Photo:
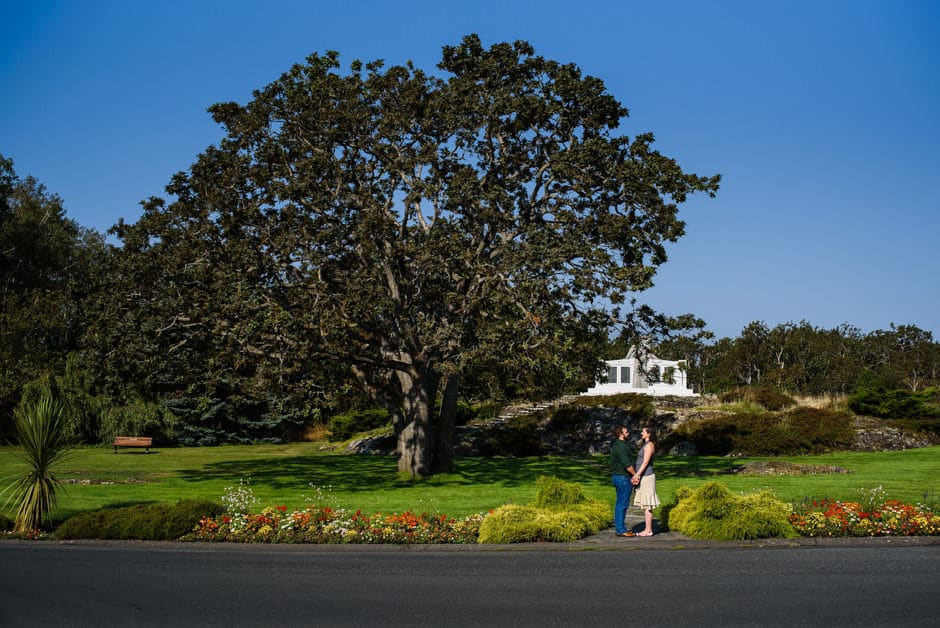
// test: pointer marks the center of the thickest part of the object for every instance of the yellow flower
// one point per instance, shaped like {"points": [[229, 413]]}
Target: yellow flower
{"points": [[815, 521]]}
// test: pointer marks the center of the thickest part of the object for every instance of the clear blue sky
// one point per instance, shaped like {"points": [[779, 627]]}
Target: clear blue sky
{"points": [[823, 118]]}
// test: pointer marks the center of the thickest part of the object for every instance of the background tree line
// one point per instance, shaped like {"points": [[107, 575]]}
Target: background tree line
{"points": [[801, 358]]}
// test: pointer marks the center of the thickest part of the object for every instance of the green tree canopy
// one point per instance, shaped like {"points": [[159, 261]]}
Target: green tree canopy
{"points": [[805, 359], [408, 226], [46, 263]]}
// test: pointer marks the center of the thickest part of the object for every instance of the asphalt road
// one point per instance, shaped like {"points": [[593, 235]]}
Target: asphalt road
{"points": [[173, 584]]}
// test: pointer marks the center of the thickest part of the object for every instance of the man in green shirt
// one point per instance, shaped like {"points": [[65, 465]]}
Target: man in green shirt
{"points": [[621, 474]]}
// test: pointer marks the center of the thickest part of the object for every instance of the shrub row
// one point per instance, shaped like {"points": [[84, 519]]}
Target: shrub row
{"points": [[896, 404], [800, 430], [148, 522]]}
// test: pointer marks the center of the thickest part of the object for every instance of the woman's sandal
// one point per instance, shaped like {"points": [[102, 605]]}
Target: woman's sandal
{"points": [[644, 534]]}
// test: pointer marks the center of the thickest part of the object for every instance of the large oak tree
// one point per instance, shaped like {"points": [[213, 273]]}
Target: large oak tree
{"points": [[409, 226]]}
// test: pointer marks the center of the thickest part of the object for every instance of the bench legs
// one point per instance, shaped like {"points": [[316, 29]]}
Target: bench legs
{"points": [[146, 450]]}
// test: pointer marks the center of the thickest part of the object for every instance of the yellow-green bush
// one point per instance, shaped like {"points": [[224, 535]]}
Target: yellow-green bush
{"points": [[561, 513], [714, 513], [553, 493]]}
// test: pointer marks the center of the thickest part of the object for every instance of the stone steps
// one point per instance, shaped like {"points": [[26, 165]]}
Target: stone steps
{"points": [[511, 412]]}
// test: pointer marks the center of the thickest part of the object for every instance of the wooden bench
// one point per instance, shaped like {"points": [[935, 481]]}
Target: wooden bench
{"points": [[132, 441]]}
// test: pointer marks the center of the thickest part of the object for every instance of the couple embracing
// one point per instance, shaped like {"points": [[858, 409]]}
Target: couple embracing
{"points": [[627, 475]]}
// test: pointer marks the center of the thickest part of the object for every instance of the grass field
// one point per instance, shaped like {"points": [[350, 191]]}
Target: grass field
{"points": [[298, 474]]}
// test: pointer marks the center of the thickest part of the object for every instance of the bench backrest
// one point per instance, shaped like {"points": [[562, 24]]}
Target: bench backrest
{"points": [[143, 441]]}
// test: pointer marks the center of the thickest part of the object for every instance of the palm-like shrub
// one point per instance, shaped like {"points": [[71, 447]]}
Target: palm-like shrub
{"points": [[42, 432]]}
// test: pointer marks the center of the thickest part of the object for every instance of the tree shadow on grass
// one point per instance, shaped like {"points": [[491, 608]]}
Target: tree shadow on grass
{"points": [[66, 513], [370, 473], [352, 473], [526, 470], [355, 473]]}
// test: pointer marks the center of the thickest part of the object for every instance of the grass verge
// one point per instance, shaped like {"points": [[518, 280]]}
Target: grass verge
{"points": [[298, 474]]}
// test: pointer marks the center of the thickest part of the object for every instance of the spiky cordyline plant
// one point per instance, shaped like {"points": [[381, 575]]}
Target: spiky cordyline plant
{"points": [[42, 434]]}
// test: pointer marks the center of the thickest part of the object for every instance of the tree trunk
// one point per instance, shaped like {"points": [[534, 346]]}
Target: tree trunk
{"points": [[415, 441], [443, 461]]}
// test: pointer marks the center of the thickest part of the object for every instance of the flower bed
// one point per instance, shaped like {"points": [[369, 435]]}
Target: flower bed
{"points": [[837, 518], [321, 524]]}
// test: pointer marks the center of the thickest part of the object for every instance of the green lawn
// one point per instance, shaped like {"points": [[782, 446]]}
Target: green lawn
{"points": [[292, 474]]}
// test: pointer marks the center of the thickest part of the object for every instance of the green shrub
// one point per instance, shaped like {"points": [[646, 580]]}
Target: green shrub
{"points": [[769, 397], [567, 418], [81, 410], [796, 431], [139, 419], [42, 433], [555, 493], [714, 513], [519, 436], [896, 403], [561, 513], [927, 426], [714, 436], [639, 407], [524, 524], [345, 426], [219, 411], [511, 523], [151, 522], [6, 524]]}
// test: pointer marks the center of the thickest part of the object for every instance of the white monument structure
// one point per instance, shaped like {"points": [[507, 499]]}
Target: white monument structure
{"points": [[658, 378]]}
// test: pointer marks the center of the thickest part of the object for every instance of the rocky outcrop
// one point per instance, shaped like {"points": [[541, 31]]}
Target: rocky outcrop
{"points": [[782, 467], [877, 435], [527, 429]]}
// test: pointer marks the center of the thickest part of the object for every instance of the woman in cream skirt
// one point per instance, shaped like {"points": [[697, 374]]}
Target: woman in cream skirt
{"points": [[645, 480]]}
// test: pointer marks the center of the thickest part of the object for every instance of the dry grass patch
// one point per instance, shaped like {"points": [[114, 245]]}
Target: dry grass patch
{"points": [[823, 402]]}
